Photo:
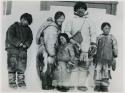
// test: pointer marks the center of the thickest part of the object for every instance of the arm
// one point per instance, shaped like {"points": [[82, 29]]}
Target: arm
{"points": [[93, 41], [89, 40], [71, 52], [39, 32], [93, 33], [42, 28], [68, 31], [12, 36], [73, 59], [115, 47], [50, 38], [29, 39]]}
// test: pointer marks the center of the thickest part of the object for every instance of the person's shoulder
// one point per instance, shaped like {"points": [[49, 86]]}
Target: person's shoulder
{"points": [[53, 24], [100, 36], [112, 36], [15, 24], [69, 45], [52, 28]]}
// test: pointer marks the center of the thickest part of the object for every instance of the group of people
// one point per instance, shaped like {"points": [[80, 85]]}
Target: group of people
{"points": [[64, 58]]}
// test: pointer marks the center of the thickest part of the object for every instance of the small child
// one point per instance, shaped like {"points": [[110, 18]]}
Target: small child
{"points": [[18, 40], [105, 58]]}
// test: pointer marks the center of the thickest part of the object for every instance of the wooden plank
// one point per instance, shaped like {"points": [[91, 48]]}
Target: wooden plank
{"points": [[7, 6], [44, 5], [114, 9], [110, 6]]}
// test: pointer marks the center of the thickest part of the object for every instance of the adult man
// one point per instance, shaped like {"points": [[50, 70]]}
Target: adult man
{"points": [[82, 33]]}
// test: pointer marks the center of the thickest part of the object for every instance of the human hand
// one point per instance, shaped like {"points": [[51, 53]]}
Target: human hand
{"points": [[50, 60], [24, 46], [21, 44], [114, 64], [92, 50], [93, 47], [84, 56]]}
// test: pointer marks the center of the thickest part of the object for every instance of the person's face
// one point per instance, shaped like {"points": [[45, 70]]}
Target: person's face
{"points": [[106, 30], [63, 40], [80, 12], [24, 22], [60, 20]]}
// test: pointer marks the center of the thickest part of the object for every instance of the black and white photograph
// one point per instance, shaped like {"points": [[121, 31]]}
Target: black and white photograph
{"points": [[62, 46]]}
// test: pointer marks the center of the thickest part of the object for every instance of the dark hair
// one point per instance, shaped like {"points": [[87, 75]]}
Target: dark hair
{"points": [[65, 36], [79, 5], [58, 15], [104, 24], [27, 17]]}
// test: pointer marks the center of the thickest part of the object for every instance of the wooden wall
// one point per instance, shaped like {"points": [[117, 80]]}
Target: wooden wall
{"points": [[110, 6]]}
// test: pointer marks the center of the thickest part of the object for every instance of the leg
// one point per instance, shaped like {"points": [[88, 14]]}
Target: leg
{"points": [[104, 88], [63, 88], [22, 63], [44, 82], [97, 85], [82, 80], [12, 61], [104, 85], [39, 64], [49, 77], [82, 77], [46, 79], [97, 77]]}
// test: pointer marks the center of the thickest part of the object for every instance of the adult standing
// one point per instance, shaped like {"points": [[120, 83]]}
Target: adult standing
{"points": [[82, 34], [47, 50]]}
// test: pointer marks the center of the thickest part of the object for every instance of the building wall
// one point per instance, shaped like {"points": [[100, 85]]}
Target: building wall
{"points": [[33, 7]]}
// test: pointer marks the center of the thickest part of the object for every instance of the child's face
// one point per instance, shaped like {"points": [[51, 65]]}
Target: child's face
{"points": [[63, 40], [24, 22], [106, 30]]}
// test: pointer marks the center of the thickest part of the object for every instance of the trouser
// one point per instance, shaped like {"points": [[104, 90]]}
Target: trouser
{"points": [[102, 74], [16, 66], [46, 77], [79, 75]]}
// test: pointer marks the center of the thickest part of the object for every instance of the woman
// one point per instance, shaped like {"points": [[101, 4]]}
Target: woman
{"points": [[47, 49], [66, 62]]}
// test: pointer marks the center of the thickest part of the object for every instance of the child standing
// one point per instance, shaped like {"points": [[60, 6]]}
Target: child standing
{"points": [[105, 58], [18, 39]]}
